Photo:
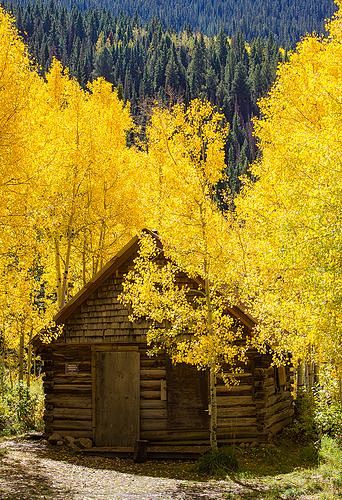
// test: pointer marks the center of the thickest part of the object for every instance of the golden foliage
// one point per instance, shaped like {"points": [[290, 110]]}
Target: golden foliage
{"points": [[290, 219], [67, 193]]}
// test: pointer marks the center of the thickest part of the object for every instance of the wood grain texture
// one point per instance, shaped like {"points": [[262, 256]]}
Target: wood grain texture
{"points": [[117, 398]]}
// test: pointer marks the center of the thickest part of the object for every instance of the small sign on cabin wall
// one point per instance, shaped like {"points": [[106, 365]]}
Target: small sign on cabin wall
{"points": [[71, 368]]}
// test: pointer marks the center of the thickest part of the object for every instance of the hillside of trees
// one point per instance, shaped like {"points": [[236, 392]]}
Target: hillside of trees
{"points": [[285, 19], [147, 62]]}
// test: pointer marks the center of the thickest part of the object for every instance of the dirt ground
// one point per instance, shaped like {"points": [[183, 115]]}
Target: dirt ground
{"points": [[34, 469]]}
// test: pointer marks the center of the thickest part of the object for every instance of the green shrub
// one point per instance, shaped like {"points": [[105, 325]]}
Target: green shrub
{"points": [[328, 415], [218, 462], [21, 408], [330, 453], [309, 454], [303, 429]]}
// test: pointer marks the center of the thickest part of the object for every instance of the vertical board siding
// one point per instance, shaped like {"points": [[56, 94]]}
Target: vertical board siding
{"points": [[117, 398]]}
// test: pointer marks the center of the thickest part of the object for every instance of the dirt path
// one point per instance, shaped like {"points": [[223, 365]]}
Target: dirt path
{"points": [[32, 470]]}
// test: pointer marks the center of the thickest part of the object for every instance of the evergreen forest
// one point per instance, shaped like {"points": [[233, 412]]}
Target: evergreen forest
{"points": [[286, 20]]}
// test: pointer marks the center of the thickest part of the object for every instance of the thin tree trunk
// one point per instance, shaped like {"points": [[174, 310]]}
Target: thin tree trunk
{"points": [[84, 263], [10, 377], [66, 269], [212, 377], [58, 272], [100, 249], [29, 361], [212, 374], [213, 409], [300, 377], [2, 373], [21, 355]]}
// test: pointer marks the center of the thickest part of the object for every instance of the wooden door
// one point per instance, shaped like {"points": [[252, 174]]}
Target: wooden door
{"points": [[117, 399]]}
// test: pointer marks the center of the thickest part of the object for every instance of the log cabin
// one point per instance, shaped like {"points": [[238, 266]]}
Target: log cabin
{"points": [[100, 383]]}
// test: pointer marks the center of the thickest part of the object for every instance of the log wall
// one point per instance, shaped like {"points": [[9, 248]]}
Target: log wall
{"points": [[68, 396], [252, 411]]}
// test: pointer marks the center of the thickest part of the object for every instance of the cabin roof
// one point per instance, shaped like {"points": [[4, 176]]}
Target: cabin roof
{"points": [[120, 258]]}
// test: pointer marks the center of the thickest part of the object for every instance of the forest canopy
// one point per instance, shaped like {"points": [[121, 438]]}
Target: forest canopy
{"points": [[252, 18]]}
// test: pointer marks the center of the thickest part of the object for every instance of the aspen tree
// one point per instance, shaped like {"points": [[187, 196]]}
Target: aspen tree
{"points": [[185, 161], [21, 120], [87, 192], [290, 219]]}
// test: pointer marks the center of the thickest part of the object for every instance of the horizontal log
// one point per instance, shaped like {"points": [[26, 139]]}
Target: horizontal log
{"points": [[269, 382], [277, 427], [152, 374], [174, 435], [285, 413], [73, 354], [279, 396], [270, 391], [150, 394], [72, 414], [234, 400], [152, 425], [152, 385], [72, 387], [62, 401], [239, 432], [236, 411], [152, 403], [153, 413], [79, 379], [72, 424], [280, 405], [147, 363], [234, 389], [236, 422]]}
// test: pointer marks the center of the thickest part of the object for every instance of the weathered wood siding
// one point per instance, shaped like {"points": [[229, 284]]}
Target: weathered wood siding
{"points": [[237, 414], [102, 318]]}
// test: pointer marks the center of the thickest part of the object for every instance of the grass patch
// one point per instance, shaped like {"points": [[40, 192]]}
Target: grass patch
{"points": [[330, 453], [218, 462], [289, 471]]}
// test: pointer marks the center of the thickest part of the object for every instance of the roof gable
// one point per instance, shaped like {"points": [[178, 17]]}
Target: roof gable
{"points": [[120, 258], [113, 265]]}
